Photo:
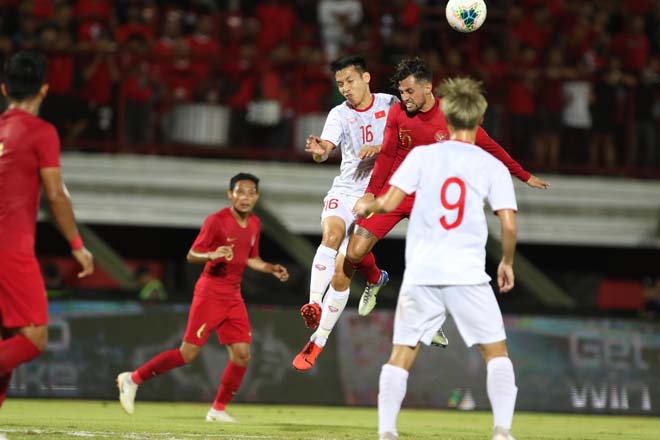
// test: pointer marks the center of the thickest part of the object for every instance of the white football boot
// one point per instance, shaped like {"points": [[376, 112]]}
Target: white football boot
{"points": [[127, 391], [500, 433], [368, 298], [219, 416]]}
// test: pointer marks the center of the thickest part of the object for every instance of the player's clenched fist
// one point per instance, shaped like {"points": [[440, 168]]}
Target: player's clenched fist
{"points": [[226, 252], [280, 272]]}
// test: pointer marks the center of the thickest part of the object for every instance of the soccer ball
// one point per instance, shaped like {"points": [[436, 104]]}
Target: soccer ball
{"points": [[465, 15]]}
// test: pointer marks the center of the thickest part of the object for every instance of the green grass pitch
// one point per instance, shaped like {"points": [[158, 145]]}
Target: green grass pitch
{"points": [[80, 419]]}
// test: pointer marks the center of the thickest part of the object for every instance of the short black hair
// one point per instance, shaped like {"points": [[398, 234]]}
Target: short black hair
{"points": [[356, 61], [416, 67], [25, 73], [243, 176]]}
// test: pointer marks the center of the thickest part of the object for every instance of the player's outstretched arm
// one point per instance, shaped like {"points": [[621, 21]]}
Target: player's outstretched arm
{"points": [[487, 143], [198, 257], [535, 182], [505, 275], [277, 270], [60, 206], [319, 148]]}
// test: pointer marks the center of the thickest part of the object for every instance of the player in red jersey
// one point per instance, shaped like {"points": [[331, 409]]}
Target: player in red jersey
{"points": [[29, 160], [227, 243], [418, 120]]}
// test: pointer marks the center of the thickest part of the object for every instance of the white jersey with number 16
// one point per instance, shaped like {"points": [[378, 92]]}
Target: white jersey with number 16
{"points": [[352, 129], [447, 232]]}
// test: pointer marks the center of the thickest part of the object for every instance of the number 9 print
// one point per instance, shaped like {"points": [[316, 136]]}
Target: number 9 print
{"points": [[459, 204]]}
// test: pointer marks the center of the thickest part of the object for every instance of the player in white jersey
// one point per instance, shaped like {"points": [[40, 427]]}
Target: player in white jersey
{"points": [[445, 255], [357, 126]]}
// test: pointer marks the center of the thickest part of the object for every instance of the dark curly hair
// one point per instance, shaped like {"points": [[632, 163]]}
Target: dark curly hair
{"points": [[416, 67]]}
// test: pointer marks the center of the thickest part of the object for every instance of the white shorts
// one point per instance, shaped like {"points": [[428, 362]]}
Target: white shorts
{"points": [[340, 205], [421, 311]]}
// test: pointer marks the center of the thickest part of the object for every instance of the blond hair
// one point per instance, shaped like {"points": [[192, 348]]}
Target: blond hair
{"points": [[463, 102]]}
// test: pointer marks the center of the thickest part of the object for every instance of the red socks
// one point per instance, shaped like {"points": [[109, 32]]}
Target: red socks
{"points": [[4, 385], [160, 364], [368, 268], [15, 351], [231, 381]]}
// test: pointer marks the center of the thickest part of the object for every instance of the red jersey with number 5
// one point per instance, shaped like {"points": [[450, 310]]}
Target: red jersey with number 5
{"points": [[27, 144], [404, 132], [446, 238], [223, 276]]}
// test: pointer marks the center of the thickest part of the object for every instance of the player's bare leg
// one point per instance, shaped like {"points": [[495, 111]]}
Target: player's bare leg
{"points": [[232, 377], [501, 386], [323, 266], [361, 243], [333, 306], [128, 382]]}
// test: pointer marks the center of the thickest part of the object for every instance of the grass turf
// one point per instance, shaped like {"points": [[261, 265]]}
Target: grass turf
{"points": [[78, 419]]}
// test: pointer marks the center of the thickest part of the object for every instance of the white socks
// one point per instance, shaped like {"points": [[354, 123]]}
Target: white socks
{"points": [[333, 305], [502, 390], [391, 391], [323, 267]]}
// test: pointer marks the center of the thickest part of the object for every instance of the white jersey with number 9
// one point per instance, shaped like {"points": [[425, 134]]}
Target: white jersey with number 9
{"points": [[447, 232]]}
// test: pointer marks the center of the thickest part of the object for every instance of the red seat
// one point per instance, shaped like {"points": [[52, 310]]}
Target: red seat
{"points": [[620, 294]]}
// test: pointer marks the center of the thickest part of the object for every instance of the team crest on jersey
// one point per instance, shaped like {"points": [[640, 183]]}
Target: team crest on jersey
{"points": [[380, 114], [405, 139], [440, 136]]}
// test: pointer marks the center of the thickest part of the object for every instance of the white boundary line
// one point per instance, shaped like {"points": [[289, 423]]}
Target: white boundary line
{"points": [[133, 435]]}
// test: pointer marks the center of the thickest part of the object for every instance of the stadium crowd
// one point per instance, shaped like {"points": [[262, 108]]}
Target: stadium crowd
{"points": [[572, 86]]}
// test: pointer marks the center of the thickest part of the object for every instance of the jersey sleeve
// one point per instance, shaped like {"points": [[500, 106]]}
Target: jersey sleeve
{"points": [[487, 143], [407, 176], [501, 194], [207, 237], [47, 145], [332, 130], [385, 158], [254, 252]]}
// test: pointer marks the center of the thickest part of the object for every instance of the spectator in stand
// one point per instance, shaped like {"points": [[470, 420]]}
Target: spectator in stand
{"points": [[63, 108], [204, 46], [100, 74], [5, 41], [550, 103], [632, 45], [577, 95], [538, 31], [647, 115], [134, 24], [27, 36], [493, 72], [137, 90], [277, 21], [609, 113], [337, 19], [520, 101]]}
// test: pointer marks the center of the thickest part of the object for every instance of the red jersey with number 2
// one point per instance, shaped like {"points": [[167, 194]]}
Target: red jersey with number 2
{"points": [[27, 144], [223, 276], [404, 132]]}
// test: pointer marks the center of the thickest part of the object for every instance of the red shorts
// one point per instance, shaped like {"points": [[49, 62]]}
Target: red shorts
{"points": [[23, 299], [226, 316], [381, 224]]}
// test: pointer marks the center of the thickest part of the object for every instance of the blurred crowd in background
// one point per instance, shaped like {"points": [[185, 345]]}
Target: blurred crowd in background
{"points": [[572, 86]]}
